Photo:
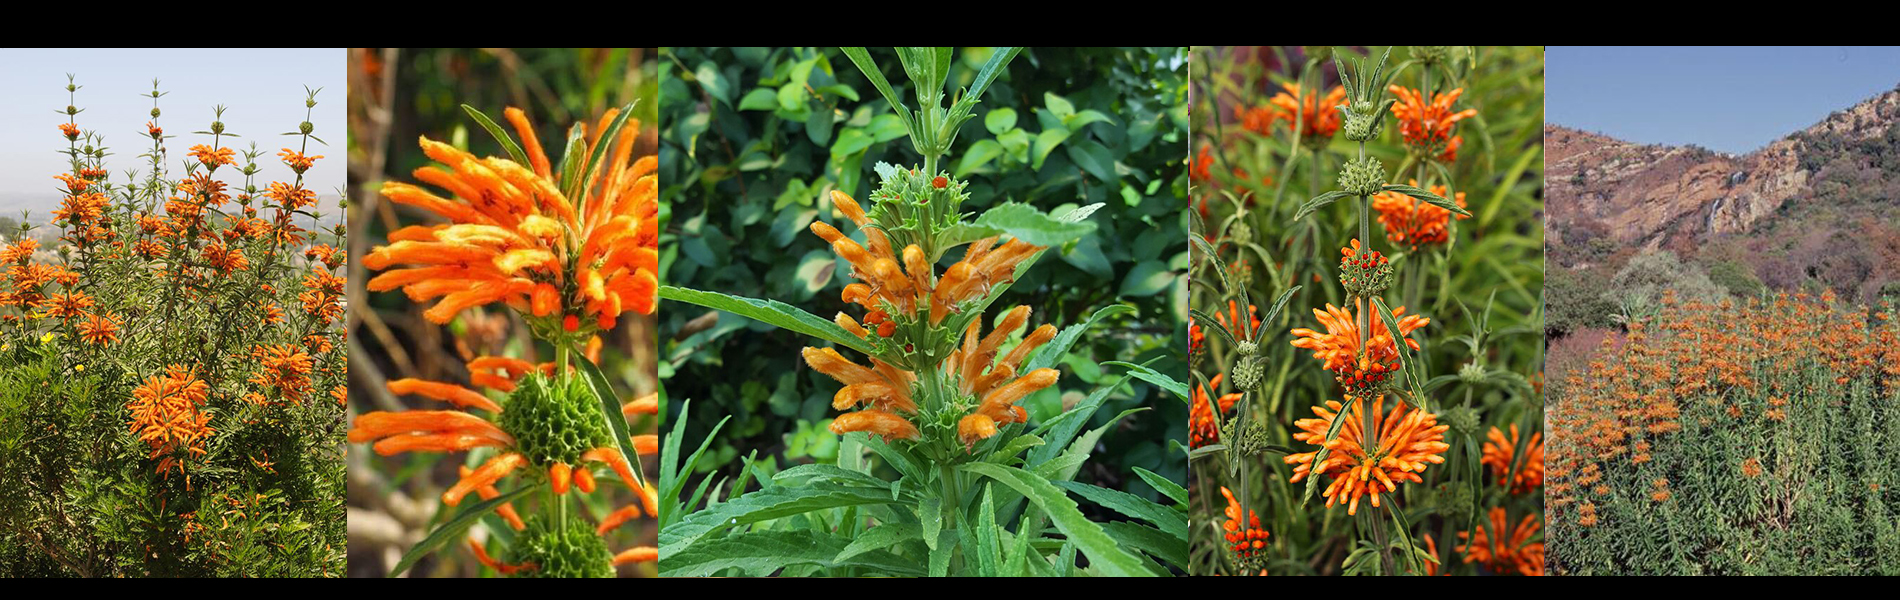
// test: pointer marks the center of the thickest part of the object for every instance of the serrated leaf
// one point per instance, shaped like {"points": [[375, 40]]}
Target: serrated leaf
{"points": [[609, 404], [878, 538], [1167, 519], [764, 505], [1166, 486], [1427, 197], [1319, 202], [759, 553], [1103, 552], [771, 312]]}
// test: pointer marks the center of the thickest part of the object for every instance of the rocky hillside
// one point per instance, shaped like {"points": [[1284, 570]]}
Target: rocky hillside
{"points": [[1654, 195]]}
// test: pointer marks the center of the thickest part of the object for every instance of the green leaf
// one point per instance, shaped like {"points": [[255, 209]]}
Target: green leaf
{"points": [[999, 120], [878, 538], [1146, 279], [1046, 142], [930, 513], [865, 64], [1427, 197], [760, 553], [452, 530], [1061, 107], [1166, 486], [1029, 224], [1322, 201], [941, 550], [979, 154], [609, 404], [1171, 549], [1180, 390], [771, 312], [1103, 552], [764, 505], [759, 99], [1046, 356], [507, 143], [1168, 519], [1418, 399], [818, 125], [1093, 157]]}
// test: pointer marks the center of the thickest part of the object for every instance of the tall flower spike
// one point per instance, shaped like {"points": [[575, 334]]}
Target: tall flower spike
{"points": [[513, 237]]}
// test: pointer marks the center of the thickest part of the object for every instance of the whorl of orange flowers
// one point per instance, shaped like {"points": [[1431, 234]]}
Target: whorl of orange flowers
{"points": [[212, 158], [1320, 115], [1426, 123], [285, 368], [1504, 550], [1414, 222], [514, 237], [98, 329], [1247, 538], [1407, 440], [910, 283], [1338, 347], [1203, 419], [454, 431], [1499, 452], [908, 288], [165, 415]]}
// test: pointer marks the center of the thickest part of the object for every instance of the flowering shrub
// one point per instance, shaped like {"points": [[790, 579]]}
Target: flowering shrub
{"points": [[1365, 457], [171, 383], [1730, 438], [944, 466]]}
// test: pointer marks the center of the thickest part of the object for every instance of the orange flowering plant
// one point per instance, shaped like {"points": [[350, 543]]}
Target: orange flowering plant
{"points": [[570, 249], [171, 379], [934, 374], [1362, 424]]}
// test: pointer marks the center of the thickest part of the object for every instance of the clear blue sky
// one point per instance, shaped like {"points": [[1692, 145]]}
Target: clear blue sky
{"points": [[262, 88], [1727, 99]]}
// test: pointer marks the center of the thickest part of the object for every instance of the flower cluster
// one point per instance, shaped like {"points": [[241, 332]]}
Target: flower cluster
{"points": [[1402, 442]]}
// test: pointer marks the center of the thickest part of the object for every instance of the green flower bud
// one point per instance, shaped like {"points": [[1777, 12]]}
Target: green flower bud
{"points": [[71, 110], [154, 112], [1471, 373], [557, 551], [217, 127], [1249, 370], [1462, 419], [306, 127], [1431, 55], [1362, 177], [554, 420]]}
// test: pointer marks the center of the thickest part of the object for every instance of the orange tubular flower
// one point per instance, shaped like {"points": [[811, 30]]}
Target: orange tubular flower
{"points": [[1426, 122], [1503, 550], [99, 329], [1320, 116], [166, 417], [1407, 440], [513, 236], [1413, 222], [1338, 348], [1499, 452], [285, 368], [1203, 420], [212, 159], [1247, 538]]}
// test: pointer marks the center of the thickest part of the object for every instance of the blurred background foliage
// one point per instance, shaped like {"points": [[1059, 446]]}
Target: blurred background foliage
{"points": [[754, 139], [1492, 266], [397, 95]]}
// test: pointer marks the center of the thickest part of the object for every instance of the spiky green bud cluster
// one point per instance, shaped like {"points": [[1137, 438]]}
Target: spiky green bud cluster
{"points": [[217, 127], [1471, 372], [154, 113], [554, 420], [1366, 274], [1431, 55], [566, 552], [1362, 177], [1249, 370], [1462, 419], [913, 206], [1366, 103], [306, 127]]}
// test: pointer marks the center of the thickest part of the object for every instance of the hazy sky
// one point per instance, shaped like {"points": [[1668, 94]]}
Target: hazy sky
{"points": [[262, 88], [1723, 98]]}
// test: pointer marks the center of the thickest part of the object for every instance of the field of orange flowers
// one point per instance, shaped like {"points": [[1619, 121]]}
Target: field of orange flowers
{"points": [[1749, 437], [1365, 397], [171, 378]]}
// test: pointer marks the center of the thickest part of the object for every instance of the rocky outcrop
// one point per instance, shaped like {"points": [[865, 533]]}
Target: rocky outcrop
{"points": [[1647, 194]]}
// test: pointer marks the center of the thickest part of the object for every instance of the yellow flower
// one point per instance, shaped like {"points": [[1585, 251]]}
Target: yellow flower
{"points": [[46, 339], [79, 368]]}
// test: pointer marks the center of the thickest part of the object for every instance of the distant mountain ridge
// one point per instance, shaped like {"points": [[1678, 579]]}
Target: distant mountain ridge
{"points": [[1658, 195]]}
